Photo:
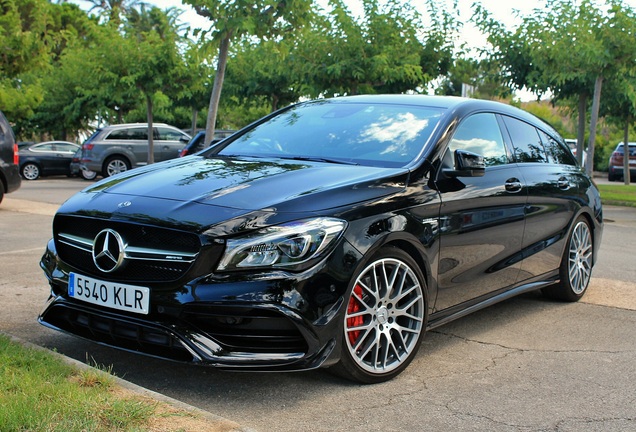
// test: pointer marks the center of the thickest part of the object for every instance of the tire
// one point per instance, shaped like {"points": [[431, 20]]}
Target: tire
{"points": [[88, 175], [30, 171], [1, 192], [576, 265], [115, 165], [385, 318], [611, 177]]}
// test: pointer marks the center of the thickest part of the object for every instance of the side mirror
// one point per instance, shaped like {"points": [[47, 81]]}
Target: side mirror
{"points": [[467, 164]]}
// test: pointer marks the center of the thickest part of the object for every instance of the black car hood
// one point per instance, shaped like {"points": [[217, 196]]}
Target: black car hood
{"points": [[201, 192]]}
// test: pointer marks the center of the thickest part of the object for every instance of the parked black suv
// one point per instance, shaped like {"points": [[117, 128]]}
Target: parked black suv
{"points": [[9, 172]]}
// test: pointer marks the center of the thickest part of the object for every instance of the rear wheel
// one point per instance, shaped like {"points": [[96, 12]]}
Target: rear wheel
{"points": [[385, 318], [30, 171], [115, 165], [576, 265], [88, 175]]}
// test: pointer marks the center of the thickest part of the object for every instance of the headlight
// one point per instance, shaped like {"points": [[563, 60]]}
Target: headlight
{"points": [[282, 246]]}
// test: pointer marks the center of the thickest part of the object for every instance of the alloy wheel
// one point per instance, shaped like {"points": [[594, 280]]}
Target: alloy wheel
{"points": [[116, 166], [580, 257], [385, 316]]}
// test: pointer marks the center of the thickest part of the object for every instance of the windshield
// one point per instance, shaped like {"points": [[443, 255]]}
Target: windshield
{"points": [[381, 135]]}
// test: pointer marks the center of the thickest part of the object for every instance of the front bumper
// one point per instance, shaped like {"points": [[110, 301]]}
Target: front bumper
{"points": [[275, 321], [12, 175]]}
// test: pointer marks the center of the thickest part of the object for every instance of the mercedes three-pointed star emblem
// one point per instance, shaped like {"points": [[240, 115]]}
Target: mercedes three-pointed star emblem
{"points": [[108, 250]]}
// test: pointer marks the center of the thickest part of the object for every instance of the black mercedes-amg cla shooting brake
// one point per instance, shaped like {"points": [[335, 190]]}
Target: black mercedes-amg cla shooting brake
{"points": [[330, 233]]}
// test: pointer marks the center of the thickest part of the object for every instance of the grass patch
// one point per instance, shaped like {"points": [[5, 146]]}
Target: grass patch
{"points": [[39, 392], [618, 194]]}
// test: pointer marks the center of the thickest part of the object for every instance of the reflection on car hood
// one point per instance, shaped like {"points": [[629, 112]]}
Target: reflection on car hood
{"points": [[225, 188]]}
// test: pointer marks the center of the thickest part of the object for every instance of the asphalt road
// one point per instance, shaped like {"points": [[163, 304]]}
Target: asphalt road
{"points": [[527, 364]]}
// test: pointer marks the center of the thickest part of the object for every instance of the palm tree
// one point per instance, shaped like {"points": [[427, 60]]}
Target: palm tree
{"points": [[114, 9]]}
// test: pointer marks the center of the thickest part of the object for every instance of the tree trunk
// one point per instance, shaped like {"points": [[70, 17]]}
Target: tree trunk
{"points": [[195, 116], [580, 136], [215, 97], [151, 140], [626, 174], [593, 121], [274, 102]]}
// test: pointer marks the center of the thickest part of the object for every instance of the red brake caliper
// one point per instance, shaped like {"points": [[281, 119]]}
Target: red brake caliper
{"points": [[353, 307]]}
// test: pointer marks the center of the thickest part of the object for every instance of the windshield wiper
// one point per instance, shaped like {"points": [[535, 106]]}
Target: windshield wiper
{"points": [[320, 159]]}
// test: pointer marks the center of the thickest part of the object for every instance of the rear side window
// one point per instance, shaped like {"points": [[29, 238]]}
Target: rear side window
{"points": [[167, 134], [525, 141], [480, 134], [140, 133], [198, 143], [556, 152], [44, 147]]}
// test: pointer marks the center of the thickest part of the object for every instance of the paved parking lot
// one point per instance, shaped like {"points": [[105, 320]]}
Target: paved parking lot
{"points": [[523, 365]]}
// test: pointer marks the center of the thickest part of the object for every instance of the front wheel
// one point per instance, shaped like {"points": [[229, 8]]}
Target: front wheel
{"points": [[385, 318], [576, 265], [88, 175]]}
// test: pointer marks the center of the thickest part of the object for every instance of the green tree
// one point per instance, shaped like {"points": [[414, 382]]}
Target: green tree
{"points": [[67, 103], [567, 47], [481, 75], [378, 52], [198, 74], [234, 19], [113, 10], [24, 54], [156, 66], [619, 100], [264, 70]]}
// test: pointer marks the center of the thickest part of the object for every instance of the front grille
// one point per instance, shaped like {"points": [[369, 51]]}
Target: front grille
{"points": [[156, 254], [115, 332], [244, 329]]}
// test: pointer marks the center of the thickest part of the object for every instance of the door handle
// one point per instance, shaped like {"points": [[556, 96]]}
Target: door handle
{"points": [[513, 185]]}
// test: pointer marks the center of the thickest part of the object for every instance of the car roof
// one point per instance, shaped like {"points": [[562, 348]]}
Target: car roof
{"points": [[451, 103], [126, 125], [26, 147]]}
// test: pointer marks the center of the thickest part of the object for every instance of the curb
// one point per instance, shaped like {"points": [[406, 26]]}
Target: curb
{"points": [[26, 206], [217, 423]]}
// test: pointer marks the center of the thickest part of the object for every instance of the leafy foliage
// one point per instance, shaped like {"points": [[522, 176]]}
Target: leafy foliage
{"points": [[63, 69]]}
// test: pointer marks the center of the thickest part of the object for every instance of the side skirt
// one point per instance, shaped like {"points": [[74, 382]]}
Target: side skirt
{"points": [[440, 318]]}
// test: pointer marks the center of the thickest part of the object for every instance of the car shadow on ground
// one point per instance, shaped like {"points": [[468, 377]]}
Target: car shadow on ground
{"points": [[175, 379]]}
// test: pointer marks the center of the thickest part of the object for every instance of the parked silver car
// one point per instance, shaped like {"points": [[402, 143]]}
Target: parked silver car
{"points": [[118, 148]]}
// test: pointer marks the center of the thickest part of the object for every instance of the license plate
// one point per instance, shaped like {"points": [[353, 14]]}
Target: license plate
{"points": [[112, 295]]}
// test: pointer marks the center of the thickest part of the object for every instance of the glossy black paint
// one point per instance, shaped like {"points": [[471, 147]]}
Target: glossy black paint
{"points": [[10, 179], [478, 240]]}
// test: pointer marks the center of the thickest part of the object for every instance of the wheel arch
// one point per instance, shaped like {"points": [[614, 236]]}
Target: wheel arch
{"points": [[415, 250], [595, 230], [37, 164], [116, 155]]}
